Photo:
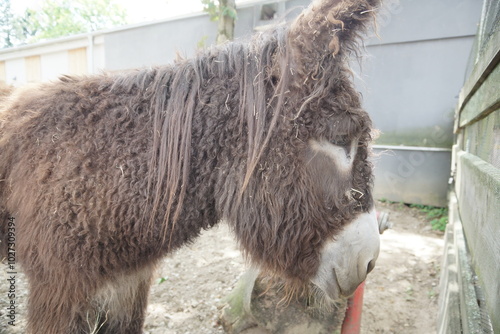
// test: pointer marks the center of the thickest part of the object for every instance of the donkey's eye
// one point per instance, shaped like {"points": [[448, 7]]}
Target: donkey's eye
{"points": [[342, 141]]}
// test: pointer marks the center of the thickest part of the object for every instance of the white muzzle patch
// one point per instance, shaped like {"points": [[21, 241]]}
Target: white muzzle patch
{"points": [[347, 260]]}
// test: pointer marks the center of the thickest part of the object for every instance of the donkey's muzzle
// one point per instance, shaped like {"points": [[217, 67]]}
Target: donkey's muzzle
{"points": [[349, 258]]}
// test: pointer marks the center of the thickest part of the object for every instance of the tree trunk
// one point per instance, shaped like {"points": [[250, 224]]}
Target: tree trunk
{"points": [[227, 11]]}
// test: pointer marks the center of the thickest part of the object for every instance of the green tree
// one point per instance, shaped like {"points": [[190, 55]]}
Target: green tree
{"points": [[223, 11], [57, 18], [25, 27], [6, 19]]}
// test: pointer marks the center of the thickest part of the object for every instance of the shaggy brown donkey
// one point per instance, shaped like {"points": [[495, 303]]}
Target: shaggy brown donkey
{"points": [[106, 174]]}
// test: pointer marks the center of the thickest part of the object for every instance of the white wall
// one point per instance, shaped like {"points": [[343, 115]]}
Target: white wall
{"points": [[54, 58], [98, 55], [15, 72], [53, 65]]}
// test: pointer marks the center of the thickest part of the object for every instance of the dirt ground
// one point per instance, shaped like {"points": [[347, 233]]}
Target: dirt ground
{"points": [[402, 291], [187, 294]]}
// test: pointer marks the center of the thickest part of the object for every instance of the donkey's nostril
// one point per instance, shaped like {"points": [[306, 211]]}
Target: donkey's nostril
{"points": [[370, 267]]}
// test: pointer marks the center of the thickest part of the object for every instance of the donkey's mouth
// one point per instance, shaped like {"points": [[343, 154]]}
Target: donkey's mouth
{"points": [[329, 285], [333, 289], [347, 259], [346, 293]]}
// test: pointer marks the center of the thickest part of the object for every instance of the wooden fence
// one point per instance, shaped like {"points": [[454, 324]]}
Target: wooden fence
{"points": [[470, 277]]}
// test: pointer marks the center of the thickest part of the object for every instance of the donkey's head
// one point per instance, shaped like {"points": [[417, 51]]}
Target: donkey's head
{"points": [[306, 211]]}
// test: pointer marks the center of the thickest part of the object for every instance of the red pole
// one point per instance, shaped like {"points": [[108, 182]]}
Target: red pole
{"points": [[352, 320]]}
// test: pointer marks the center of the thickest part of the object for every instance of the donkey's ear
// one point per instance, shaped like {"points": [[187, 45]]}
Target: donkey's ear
{"points": [[328, 28]]}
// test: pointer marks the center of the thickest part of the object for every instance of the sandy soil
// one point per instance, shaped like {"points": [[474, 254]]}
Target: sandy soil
{"points": [[400, 294]]}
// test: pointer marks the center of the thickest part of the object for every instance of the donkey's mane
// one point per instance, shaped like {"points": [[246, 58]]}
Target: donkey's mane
{"points": [[174, 93]]}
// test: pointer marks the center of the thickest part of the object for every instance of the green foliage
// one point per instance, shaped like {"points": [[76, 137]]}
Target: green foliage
{"points": [[439, 224], [400, 204], [210, 7], [26, 26], [229, 12], [438, 217], [202, 43], [216, 9], [57, 18], [6, 19], [224, 12]]}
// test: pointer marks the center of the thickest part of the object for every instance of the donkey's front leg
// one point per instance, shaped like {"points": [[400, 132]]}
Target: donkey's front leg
{"points": [[120, 305], [56, 304]]}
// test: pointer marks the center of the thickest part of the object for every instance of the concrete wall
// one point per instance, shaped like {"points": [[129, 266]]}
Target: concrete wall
{"points": [[158, 43], [412, 174], [476, 193]]}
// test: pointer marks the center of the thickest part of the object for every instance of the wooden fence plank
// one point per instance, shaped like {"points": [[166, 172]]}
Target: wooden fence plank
{"points": [[485, 64], [449, 320], [478, 192], [484, 101], [482, 138]]}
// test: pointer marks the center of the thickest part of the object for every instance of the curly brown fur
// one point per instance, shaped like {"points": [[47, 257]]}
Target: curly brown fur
{"points": [[5, 91], [107, 174]]}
